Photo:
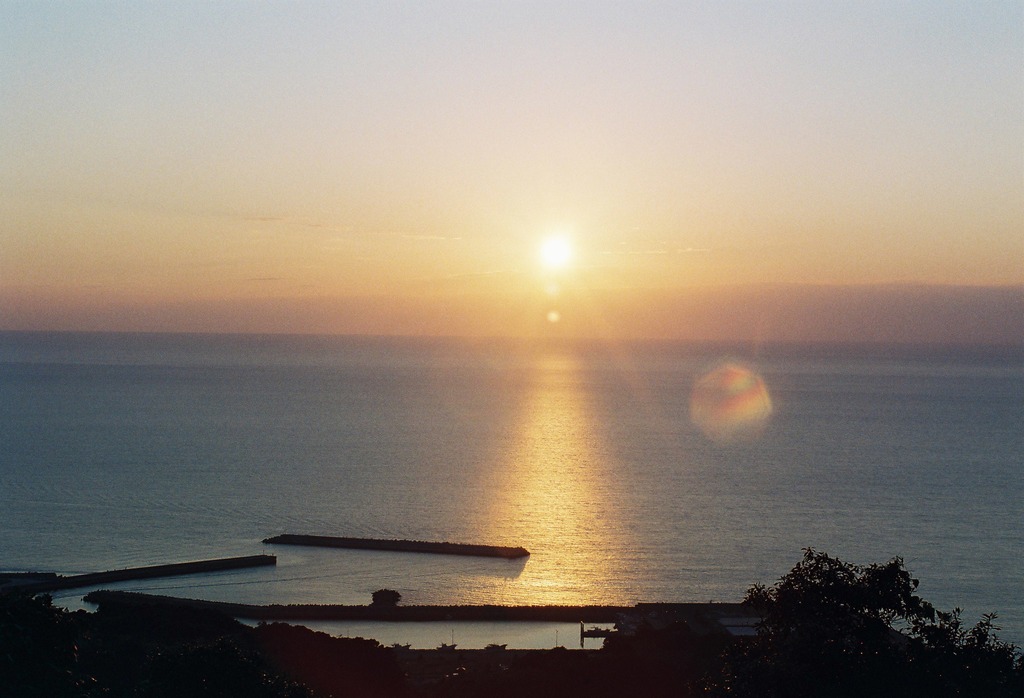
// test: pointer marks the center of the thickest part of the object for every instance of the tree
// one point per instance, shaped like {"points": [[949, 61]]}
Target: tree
{"points": [[831, 628], [386, 597], [213, 670], [38, 650]]}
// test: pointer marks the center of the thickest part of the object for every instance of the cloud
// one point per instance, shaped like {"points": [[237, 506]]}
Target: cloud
{"points": [[299, 222], [476, 274], [658, 251], [429, 237]]}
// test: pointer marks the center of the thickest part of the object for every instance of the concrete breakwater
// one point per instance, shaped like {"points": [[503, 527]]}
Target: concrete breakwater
{"points": [[77, 581], [297, 612], [19, 580], [407, 546]]}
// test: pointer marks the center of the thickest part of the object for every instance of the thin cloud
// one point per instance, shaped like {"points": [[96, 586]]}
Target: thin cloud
{"points": [[299, 221], [635, 252], [469, 276], [429, 237]]}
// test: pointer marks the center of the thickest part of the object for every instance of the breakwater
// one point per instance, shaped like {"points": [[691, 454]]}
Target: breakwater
{"points": [[77, 581], [295, 612], [406, 546]]}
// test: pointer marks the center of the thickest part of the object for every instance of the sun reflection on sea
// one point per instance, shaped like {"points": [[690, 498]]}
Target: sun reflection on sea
{"points": [[553, 491]]}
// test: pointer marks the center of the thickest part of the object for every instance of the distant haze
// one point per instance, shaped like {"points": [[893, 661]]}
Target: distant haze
{"points": [[768, 313]]}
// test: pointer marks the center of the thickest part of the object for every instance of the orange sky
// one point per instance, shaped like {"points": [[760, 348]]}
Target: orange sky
{"points": [[794, 169]]}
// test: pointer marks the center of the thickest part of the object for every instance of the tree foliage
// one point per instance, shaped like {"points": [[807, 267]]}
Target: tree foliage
{"points": [[38, 650], [831, 628], [386, 597], [212, 670]]}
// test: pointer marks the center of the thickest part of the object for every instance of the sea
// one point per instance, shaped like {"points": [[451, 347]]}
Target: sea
{"points": [[121, 450]]}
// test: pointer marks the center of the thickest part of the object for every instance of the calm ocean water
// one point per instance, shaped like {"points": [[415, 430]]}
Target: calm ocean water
{"points": [[122, 450]]}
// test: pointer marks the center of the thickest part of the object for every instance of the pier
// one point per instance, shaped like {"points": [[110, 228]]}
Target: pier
{"points": [[77, 581], [405, 546]]}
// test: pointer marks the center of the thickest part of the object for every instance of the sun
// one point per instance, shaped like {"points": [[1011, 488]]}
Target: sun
{"points": [[555, 253]]}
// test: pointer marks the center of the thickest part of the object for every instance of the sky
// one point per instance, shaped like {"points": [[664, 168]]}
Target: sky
{"points": [[720, 170]]}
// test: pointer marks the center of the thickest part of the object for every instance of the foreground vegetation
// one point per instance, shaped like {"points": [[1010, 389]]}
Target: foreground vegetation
{"points": [[830, 628]]}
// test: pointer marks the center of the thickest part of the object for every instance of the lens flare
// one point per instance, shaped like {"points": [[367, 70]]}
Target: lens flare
{"points": [[731, 403]]}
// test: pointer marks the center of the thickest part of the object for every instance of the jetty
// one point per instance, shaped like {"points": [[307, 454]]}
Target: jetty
{"points": [[307, 612], [19, 580], [405, 546], [77, 581], [711, 619]]}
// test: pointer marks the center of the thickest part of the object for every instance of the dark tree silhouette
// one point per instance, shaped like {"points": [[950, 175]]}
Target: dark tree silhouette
{"points": [[831, 628], [38, 650], [217, 670], [331, 666], [386, 597]]}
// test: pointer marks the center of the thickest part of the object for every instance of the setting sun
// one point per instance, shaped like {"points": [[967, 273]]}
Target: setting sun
{"points": [[555, 253]]}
